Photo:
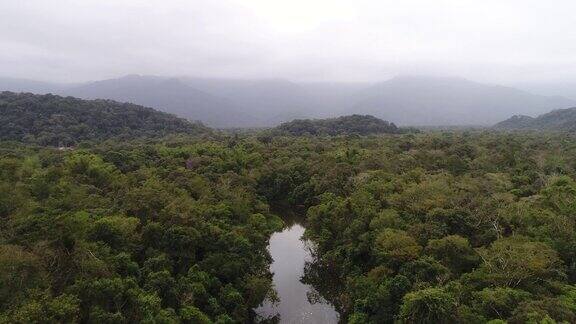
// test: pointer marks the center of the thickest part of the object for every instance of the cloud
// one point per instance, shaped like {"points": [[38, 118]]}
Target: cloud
{"points": [[503, 41]]}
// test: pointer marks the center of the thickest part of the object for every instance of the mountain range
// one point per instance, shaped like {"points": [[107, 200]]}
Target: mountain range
{"points": [[556, 120], [223, 103]]}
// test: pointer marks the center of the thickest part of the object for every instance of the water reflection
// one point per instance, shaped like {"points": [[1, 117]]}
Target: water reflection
{"points": [[299, 303]]}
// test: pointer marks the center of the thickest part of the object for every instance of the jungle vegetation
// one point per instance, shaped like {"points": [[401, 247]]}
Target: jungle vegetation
{"points": [[65, 121], [431, 227], [344, 125]]}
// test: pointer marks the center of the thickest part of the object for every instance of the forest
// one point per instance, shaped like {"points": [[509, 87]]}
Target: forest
{"points": [[461, 226], [420, 228], [344, 125], [65, 121]]}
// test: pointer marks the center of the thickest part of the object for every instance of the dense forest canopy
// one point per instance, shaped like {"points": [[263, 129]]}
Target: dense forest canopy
{"points": [[344, 125], [128, 233], [556, 120], [63, 121], [430, 227]]}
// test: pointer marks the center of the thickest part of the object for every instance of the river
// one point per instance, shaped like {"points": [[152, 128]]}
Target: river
{"points": [[290, 254]]}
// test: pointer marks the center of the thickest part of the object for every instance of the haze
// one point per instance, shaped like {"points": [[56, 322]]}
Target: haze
{"points": [[500, 42]]}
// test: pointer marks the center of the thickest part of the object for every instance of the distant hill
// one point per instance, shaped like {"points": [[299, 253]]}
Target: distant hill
{"points": [[565, 87], [273, 101], [425, 101], [516, 122], [25, 85], [556, 120], [62, 121], [224, 103], [169, 95], [345, 125]]}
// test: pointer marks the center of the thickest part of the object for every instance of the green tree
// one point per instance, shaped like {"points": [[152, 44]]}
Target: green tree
{"points": [[519, 262], [430, 305], [453, 252], [395, 247]]}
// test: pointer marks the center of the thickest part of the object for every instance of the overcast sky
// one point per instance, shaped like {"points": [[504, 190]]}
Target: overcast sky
{"points": [[498, 41]]}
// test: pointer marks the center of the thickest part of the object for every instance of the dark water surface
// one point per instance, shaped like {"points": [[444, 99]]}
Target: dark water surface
{"points": [[290, 254]]}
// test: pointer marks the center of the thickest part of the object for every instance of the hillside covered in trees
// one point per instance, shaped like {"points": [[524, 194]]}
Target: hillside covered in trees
{"points": [[556, 120], [62, 121], [344, 125]]}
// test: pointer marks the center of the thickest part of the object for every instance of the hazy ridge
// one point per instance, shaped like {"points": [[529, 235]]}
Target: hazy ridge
{"points": [[556, 120], [223, 103]]}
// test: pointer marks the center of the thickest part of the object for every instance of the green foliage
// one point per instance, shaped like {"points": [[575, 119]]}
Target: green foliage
{"points": [[20, 271], [518, 262], [546, 310], [44, 309], [395, 247], [454, 252], [156, 242], [499, 302], [437, 227], [192, 315], [345, 125], [65, 121], [431, 305], [487, 238]]}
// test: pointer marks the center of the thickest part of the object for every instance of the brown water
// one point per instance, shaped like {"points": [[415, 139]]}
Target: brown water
{"points": [[290, 253]]}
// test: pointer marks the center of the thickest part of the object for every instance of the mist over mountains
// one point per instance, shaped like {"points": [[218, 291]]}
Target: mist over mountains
{"points": [[33, 86], [223, 103], [168, 95], [451, 101]]}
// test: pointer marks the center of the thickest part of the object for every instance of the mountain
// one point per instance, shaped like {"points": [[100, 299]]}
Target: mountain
{"points": [[345, 125], [426, 101], [25, 85], [408, 100], [225, 102], [273, 101], [563, 88], [56, 121], [169, 95], [515, 122], [280, 100], [556, 120]]}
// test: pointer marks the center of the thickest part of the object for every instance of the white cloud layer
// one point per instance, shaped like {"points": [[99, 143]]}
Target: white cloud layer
{"points": [[362, 40]]}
